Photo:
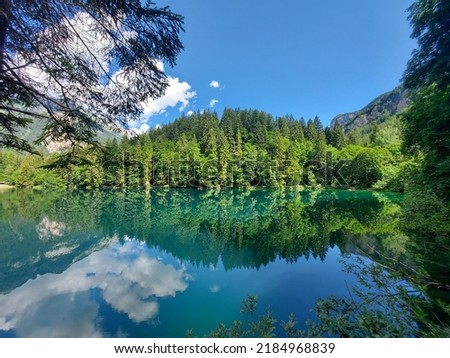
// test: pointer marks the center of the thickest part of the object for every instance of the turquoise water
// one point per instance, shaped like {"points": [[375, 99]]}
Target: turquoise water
{"points": [[157, 263]]}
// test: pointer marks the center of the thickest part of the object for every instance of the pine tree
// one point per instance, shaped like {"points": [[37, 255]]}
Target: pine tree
{"points": [[429, 64], [337, 139], [81, 65], [427, 120], [237, 163], [297, 131], [310, 131], [223, 160], [210, 169]]}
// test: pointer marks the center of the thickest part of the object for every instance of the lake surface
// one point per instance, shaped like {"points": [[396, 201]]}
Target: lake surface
{"points": [[155, 264]]}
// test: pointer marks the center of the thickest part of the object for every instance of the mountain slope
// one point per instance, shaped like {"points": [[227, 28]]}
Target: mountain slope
{"points": [[377, 111], [32, 132]]}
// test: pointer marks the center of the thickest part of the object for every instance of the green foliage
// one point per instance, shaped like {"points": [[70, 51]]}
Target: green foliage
{"points": [[364, 170], [337, 137], [388, 135], [248, 148], [398, 174], [262, 326], [384, 304], [385, 133], [427, 132], [431, 27], [381, 306], [244, 148], [26, 171], [364, 167], [78, 92], [426, 213], [427, 120], [9, 162]]}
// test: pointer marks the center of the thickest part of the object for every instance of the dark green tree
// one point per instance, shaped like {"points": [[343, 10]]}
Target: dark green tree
{"points": [[230, 123], [310, 131], [237, 163], [284, 127], [430, 20], [251, 166], [297, 131], [365, 169], [316, 134], [57, 60], [111, 158], [427, 121], [224, 160], [261, 135], [328, 135], [427, 131], [337, 136]]}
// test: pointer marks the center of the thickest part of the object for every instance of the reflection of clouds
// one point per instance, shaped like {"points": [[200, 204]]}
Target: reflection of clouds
{"points": [[129, 283], [60, 304], [63, 315], [63, 250], [214, 288], [47, 229]]}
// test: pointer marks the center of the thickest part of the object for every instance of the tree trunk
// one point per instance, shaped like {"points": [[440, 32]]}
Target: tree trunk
{"points": [[5, 6]]}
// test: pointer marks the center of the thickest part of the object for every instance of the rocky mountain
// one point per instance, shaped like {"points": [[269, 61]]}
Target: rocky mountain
{"points": [[33, 130], [377, 111]]}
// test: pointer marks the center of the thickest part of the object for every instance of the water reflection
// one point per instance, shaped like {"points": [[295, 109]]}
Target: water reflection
{"points": [[47, 229], [61, 305], [96, 263]]}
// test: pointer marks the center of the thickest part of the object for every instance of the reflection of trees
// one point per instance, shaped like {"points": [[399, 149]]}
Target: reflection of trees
{"points": [[264, 225], [244, 228]]}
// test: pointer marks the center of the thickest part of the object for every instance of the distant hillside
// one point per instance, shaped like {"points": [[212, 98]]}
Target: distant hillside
{"points": [[32, 132], [377, 111]]}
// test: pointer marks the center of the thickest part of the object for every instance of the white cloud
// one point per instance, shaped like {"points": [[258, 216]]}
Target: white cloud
{"points": [[129, 279], [86, 39], [158, 126], [190, 113], [214, 84], [176, 93], [144, 127], [160, 65], [213, 102]]}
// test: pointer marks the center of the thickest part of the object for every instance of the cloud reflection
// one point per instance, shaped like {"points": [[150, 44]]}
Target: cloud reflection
{"points": [[48, 229], [61, 305]]}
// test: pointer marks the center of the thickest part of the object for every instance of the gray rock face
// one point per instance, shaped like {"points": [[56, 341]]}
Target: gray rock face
{"points": [[377, 111]]}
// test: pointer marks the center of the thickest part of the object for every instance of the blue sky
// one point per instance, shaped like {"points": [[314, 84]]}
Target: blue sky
{"points": [[299, 57]]}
